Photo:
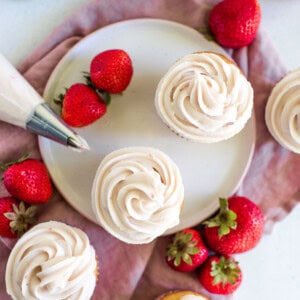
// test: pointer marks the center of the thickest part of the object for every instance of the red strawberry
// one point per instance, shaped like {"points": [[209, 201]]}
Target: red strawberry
{"points": [[187, 251], [234, 23], [28, 180], [237, 227], [15, 218], [111, 71], [82, 105], [220, 275]]}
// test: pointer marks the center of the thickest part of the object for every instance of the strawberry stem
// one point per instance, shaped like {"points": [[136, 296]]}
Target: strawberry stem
{"points": [[225, 271], [225, 219], [105, 96], [182, 248], [21, 218], [5, 166], [206, 32], [88, 81], [60, 98]]}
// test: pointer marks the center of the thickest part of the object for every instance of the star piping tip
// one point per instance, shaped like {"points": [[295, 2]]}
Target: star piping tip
{"points": [[78, 143]]}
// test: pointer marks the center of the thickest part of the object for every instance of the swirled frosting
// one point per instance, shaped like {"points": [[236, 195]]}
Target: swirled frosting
{"points": [[204, 97], [137, 194], [51, 261], [283, 111]]}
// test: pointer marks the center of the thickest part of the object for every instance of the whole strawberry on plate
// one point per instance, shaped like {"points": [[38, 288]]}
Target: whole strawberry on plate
{"points": [[111, 71], [81, 105], [234, 23], [27, 179], [15, 217], [187, 251], [220, 275], [237, 227]]}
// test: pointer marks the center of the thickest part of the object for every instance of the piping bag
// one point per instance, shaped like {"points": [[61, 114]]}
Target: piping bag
{"points": [[21, 105]]}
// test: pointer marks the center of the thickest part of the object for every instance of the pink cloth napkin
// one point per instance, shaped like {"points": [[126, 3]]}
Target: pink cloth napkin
{"points": [[139, 272]]}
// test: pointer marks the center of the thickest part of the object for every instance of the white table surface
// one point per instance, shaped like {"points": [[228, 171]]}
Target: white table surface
{"points": [[271, 270]]}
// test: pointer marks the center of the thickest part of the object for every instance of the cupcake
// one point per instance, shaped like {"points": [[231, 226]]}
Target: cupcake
{"points": [[52, 261], [204, 97], [282, 113], [182, 295], [137, 194]]}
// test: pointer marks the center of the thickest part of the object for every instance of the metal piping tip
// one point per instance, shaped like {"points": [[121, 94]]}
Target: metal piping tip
{"points": [[45, 122], [78, 142]]}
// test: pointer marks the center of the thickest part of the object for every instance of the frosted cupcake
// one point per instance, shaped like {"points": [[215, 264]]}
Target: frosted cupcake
{"points": [[282, 113], [137, 194], [182, 295], [204, 97], [52, 261]]}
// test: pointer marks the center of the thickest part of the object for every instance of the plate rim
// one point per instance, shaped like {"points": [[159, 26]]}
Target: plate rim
{"points": [[51, 81]]}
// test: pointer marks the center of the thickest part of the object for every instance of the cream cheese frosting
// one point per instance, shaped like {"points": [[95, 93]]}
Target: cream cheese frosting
{"points": [[282, 113], [137, 194], [52, 261], [191, 297], [204, 97]]}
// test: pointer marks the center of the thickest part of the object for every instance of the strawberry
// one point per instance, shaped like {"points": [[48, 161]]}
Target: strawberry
{"points": [[15, 217], [111, 71], [81, 105], [187, 251], [237, 227], [220, 275], [234, 23], [28, 180]]}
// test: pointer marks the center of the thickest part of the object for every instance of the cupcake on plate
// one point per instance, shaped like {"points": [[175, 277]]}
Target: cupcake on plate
{"points": [[137, 194], [204, 97], [182, 295], [52, 261], [282, 113]]}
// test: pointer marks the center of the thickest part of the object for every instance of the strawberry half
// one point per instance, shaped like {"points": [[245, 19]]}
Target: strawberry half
{"points": [[81, 105], [28, 180], [15, 217], [237, 227], [220, 275], [187, 251], [111, 71], [234, 23]]}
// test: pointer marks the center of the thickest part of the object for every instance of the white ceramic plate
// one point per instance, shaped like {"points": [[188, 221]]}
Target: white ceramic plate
{"points": [[209, 171]]}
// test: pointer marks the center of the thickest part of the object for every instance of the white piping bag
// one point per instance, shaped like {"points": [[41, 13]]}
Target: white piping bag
{"points": [[21, 105]]}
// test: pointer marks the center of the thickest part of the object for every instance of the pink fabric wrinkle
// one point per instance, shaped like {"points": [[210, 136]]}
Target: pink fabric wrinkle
{"points": [[15, 142], [273, 182], [43, 68]]}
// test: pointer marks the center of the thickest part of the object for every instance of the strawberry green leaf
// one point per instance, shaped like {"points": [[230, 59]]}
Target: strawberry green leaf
{"points": [[225, 271], [205, 31], [193, 250], [177, 260], [5, 166], [187, 258], [10, 216], [21, 218], [225, 220], [182, 248]]}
